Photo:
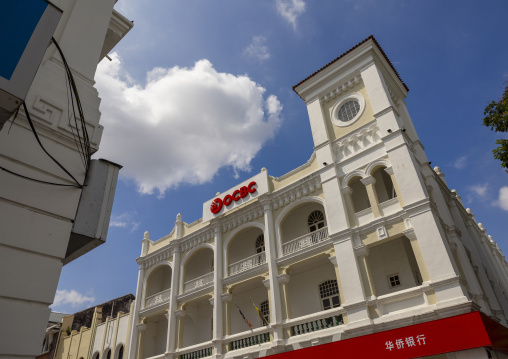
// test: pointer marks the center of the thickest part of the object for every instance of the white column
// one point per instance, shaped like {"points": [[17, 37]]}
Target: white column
{"points": [[226, 299], [369, 183], [284, 281], [141, 341], [180, 314], [351, 281], [217, 293], [172, 328], [271, 254], [133, 342]]}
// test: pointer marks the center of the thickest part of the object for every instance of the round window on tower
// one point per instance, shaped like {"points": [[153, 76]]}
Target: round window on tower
{"points": [[348, 109]]}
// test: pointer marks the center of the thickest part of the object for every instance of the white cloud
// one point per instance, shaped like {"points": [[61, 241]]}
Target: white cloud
{"points": [[184, 124], [290, 10], [503, 198], [478, 191], [125, 220], [71, 297], [460, 162], [258, 49]]}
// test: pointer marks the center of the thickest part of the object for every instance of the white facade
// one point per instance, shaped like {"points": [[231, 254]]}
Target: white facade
{"points": [[111, 337], [37, 218], [363, 238]]}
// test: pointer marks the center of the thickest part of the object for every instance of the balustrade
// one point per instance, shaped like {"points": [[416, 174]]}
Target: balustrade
{"points": [[318, 324], [158, 298], [198, 282], [249, 341], [305, 241], [201, 353], [247, 263]]}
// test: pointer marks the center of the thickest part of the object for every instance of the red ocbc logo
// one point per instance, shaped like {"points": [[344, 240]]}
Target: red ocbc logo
{"points": [[217, 203]]}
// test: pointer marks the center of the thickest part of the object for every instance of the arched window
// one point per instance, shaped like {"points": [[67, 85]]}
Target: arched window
{"points": [[265, 311], [96, 355], [329, 293], [384, 185], [120, 353], [316, 221], [260, 244], [359, 195], [108, 354]]}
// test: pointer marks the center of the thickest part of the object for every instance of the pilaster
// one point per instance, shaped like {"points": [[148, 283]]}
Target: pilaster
{"points": [[226, 299], [175, 278], [274, 295], [371, 192], [352, 287]]}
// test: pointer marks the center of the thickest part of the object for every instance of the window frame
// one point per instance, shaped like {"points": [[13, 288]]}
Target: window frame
{"points": [[323, 222], [341, 102], [329, 297]]}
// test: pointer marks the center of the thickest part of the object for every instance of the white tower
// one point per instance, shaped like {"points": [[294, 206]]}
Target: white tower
{"points": [[359, 124]]}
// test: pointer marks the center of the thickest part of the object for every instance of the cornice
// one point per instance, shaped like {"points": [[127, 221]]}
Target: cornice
{"points": [[241, 216], [337, 90]]}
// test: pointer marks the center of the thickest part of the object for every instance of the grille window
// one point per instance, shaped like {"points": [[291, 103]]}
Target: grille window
{"points": [[265, 311], [329, 292], [260, 244], [316, 221], [348, 111], [394, 280]]}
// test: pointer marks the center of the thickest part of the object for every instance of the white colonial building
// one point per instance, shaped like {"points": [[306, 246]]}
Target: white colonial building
{"points": [[364, 238]]}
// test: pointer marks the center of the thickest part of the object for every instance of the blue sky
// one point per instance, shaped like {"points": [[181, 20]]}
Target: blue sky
{"points": [[199, 97]]}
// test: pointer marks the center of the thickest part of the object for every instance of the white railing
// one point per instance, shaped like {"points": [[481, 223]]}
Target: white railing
{"points": [[198, 282], [159, 298], [250, 338], [305, 241], [202, 350], [247, 263], [317, 321]]}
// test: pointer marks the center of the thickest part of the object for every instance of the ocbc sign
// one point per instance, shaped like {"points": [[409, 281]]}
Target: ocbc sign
{"points": [[217, 203]]}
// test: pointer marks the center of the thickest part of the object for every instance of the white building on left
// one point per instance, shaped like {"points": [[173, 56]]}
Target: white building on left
{"points": [[47, 217]]}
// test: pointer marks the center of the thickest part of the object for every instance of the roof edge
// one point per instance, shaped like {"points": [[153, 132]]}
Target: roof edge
{"points": [[371, 37]]}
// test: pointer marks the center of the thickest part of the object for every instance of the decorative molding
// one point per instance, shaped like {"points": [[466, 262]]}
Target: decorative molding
{"points": [[381, 233], [361, 251], [180, 313], [304, 187], [155, 258], [283, 278], [358, 141], [368, 180], [341, 88], [227, 297], [410, 233], [187, 243], [266, 283], [50, 111], [241, 217]]}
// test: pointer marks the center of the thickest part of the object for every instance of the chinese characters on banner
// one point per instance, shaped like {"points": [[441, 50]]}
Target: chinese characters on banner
{"points": [[408, 342]]}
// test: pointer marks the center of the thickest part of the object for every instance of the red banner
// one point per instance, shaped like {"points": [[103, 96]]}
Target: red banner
{"points": [[452, 334]]}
